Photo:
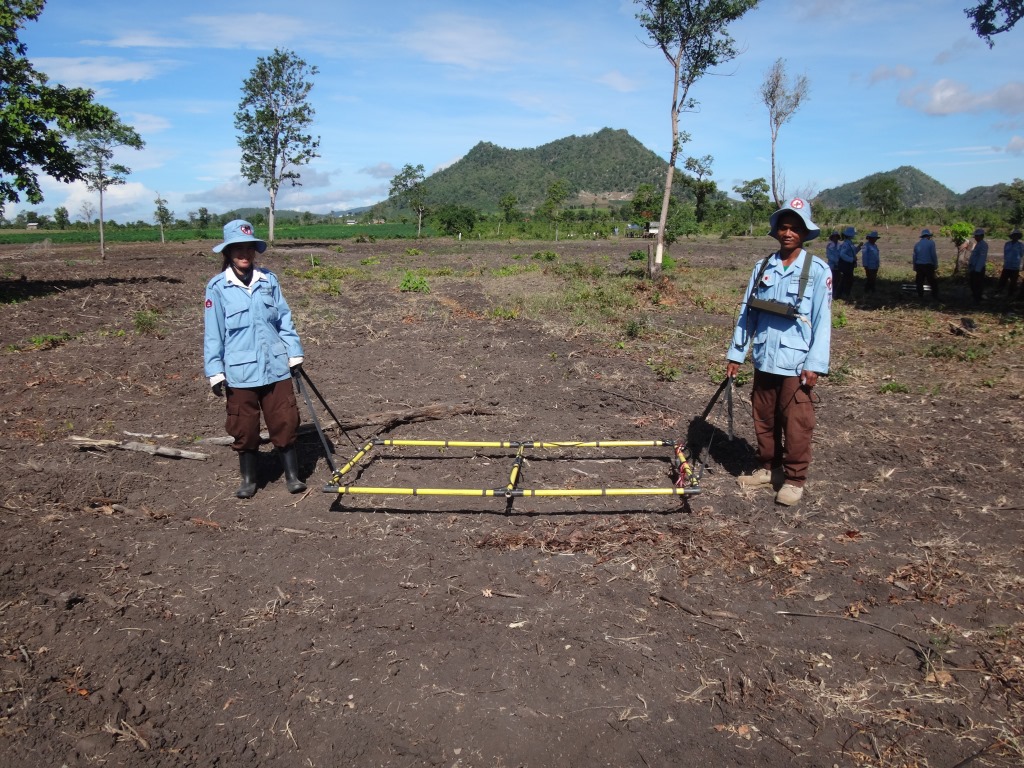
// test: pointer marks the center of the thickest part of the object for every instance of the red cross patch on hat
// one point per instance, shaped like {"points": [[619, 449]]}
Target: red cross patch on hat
{"points": [[245, 229], [796, 203]]}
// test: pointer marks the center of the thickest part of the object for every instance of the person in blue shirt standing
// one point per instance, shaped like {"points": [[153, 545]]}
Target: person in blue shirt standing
{"points": [[976, 265], [251, 351], [786, 320], [871, 261], [926, 263], [847, 253], [832, 252], [1013, 250]]}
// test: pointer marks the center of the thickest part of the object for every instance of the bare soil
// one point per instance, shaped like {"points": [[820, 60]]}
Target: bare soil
{"points": [[149, 618]]}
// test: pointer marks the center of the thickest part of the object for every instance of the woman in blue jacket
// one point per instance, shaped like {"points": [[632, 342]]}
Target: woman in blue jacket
{"points": [[250, 352]]}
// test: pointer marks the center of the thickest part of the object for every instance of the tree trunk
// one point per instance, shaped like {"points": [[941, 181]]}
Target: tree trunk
{"points": [[270, 215], [654, 265], [103, 249], [775, 189]]}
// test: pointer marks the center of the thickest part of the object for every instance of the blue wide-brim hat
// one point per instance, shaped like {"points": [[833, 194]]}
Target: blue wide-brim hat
{"points": [[801, 208], [849, 232], [240, 231], [872, 235], [926, 233]]}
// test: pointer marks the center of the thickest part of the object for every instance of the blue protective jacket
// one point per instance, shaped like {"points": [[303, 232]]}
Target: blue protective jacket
{"points": [[869, 256], [847, 251], [979, 256], [925, 253], [249, 332], [782, 345], [1013, 250]]}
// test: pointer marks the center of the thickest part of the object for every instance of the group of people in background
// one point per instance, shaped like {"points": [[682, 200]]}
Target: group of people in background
{"points": [[841, 254], [1013, 254]]}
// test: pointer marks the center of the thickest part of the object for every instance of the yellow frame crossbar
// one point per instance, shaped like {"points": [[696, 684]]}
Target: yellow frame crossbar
{"points": [[688, 482]]}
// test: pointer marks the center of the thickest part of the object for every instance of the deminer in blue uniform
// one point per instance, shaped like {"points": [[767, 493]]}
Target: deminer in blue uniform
{"points": [[250, 351], [786, 322], [926, 264]]}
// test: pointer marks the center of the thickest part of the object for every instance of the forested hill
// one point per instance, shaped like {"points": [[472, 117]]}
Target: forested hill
{"points": [[609, 164], [919, 190]]}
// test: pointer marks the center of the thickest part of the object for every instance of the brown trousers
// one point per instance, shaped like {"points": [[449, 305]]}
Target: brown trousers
{"points": [[280, 411], [784, 422]]}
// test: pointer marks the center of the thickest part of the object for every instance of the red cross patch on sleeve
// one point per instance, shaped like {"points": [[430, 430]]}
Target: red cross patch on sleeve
{"points": [[209, 303]]}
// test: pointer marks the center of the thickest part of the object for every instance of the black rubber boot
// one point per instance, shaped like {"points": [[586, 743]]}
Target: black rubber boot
{"points": [[247, 464], [290, 462]]}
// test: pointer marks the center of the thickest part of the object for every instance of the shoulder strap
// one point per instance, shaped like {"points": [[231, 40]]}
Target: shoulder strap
{"points": [[760, 274], [804, 275]]}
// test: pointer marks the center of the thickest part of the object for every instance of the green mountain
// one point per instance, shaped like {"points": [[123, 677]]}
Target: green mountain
{"points": [[919, 191], [598, 168]]}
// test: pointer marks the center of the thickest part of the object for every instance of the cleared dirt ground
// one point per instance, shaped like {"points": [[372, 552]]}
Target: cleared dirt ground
{"points": [[149, 618]]}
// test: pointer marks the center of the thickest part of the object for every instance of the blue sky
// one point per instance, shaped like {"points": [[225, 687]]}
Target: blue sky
{"points": [[892, 82]]}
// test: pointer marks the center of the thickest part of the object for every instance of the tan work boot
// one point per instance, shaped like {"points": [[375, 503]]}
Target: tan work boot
{"points": [[760, 477], [789, 495]]}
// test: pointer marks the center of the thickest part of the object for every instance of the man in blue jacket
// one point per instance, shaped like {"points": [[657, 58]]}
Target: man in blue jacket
{"points": [[926, 263], [847, 263], [786, 319], [1013, 252], [250, 351], [976, 265]]}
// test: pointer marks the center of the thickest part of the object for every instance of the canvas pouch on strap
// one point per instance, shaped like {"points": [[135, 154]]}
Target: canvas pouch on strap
{"points": [[778, 307]]}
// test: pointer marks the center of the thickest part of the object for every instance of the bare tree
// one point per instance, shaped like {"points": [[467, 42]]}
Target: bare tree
{"points": [[87, 212], [782, 101], [691, 34]]}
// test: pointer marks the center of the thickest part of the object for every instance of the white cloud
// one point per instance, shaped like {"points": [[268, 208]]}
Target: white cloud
{"points": [[147, 124], [898, 72], [380, 171], [950, 97], [461, 41], [143, 40], [618, 81], [86, 72], [254, 30], [1016, 145]]}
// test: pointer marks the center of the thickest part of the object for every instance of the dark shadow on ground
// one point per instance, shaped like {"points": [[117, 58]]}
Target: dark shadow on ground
{"points": [[13, 291]]}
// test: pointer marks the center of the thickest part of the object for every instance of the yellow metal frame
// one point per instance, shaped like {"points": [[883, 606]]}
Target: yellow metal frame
{"points": [[688, 482]]}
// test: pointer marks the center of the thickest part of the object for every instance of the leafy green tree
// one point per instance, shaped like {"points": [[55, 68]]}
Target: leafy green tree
{"points": [[61, 217], [163, 216], [643, 205], [703, 188], [782, 100], [456, 219], [551, 208], [1014, 195], [35, 117], [273, 118], [691, 35], [884, 196], [556, 194], [409, 188], [960, 234], [508, 207], [993, 17], [203, 218], [95, 151], [755, 197]]}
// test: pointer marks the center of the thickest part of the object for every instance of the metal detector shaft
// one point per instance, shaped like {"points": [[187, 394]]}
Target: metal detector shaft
{"points": [[320, 397], [328, 448]]}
